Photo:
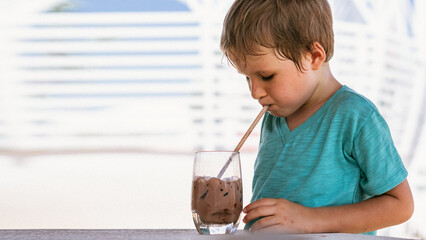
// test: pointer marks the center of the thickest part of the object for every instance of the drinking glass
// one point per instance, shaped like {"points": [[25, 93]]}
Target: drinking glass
{"points": [[217, 201]]}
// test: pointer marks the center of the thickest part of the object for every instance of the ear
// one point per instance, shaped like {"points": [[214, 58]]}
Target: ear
{"points": [[317, 56]]}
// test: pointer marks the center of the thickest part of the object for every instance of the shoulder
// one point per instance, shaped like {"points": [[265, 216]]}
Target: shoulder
{"points": [[347, 103], [349, 112]]}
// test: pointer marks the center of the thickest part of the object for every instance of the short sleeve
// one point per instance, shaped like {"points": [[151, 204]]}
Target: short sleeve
{"points": [[381, 166]]}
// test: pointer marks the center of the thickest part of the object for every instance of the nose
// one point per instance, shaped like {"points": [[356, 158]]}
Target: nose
{"points": [[257, 89]]}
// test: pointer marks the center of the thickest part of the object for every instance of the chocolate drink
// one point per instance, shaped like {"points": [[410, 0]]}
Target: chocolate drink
{"points": [[217, 201]]}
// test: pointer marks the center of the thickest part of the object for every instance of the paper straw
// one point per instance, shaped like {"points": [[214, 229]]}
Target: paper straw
{"points": [[243, 139]]}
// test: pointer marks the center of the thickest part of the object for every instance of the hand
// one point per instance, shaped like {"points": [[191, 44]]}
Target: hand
{"points": [[279, 215]]}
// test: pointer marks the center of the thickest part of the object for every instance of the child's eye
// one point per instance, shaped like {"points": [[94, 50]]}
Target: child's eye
{"points": [[268, 77]]}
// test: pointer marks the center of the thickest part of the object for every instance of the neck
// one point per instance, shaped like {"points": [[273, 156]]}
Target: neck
{"points": [[326, 87]]}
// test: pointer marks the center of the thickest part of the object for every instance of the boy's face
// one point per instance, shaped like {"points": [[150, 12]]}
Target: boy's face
{"points": [[278, 83]]}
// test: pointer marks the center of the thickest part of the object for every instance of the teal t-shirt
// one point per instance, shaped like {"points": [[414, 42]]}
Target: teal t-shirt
{"points": [[342, 154]]}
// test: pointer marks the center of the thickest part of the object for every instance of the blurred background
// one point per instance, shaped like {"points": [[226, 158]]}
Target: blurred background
{"points": [[103, 104]]}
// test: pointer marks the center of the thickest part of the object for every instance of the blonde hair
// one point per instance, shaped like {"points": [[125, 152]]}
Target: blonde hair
{"points": [[288, 26]]}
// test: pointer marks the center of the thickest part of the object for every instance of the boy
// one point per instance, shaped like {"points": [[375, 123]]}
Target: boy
{"points": [[326, 160]]}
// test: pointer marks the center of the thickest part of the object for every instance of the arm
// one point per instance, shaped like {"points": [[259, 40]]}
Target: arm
{"points": [[391, 208]]}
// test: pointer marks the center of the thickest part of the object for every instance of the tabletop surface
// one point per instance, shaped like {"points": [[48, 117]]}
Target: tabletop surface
{"points": [[175, 234]]}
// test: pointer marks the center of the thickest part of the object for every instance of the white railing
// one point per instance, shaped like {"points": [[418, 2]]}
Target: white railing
{"points": [[129, 82]]}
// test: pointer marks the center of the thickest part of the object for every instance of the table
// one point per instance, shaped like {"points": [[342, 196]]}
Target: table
{"points": [[165, 234]]}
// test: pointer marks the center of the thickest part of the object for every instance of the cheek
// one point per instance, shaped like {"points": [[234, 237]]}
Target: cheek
{"points": [[283, 94], [302, 83], [290, 92]]}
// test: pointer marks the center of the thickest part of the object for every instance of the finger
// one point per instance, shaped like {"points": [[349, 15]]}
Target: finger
{"points": [[265, 223], [258, 203], [274, 229], [260, 212]]}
